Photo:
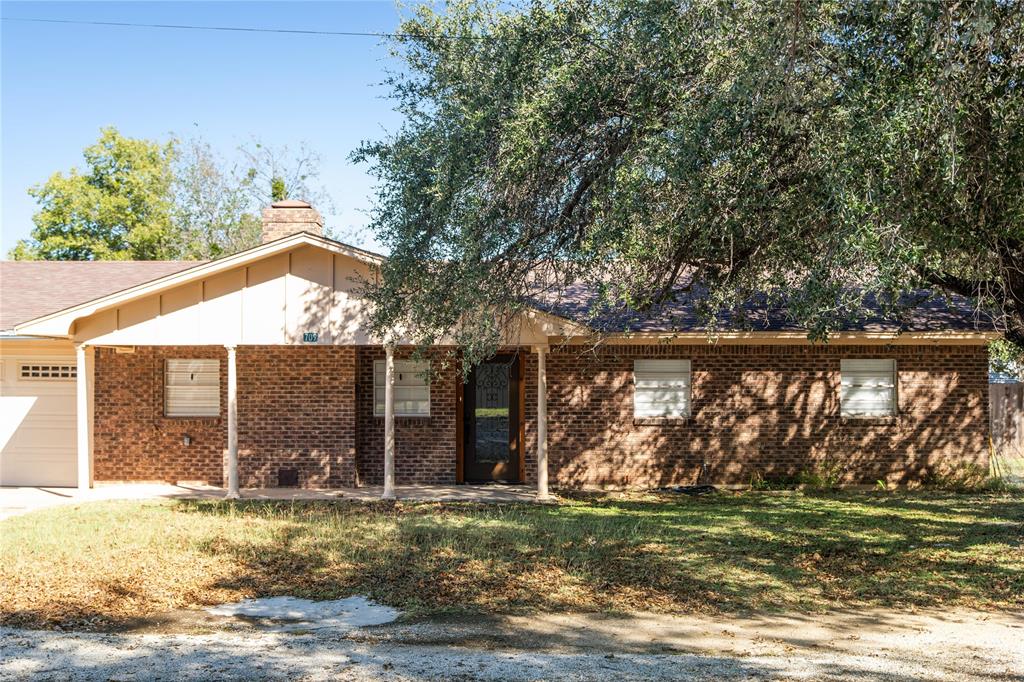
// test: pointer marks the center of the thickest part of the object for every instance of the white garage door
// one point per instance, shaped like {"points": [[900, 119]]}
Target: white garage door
{"points": [[37, 421]]}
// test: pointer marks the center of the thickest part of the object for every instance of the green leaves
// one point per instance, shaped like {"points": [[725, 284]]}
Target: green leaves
{"points": [[819, 153], [143, 200], [119, 209], [278, 192]]}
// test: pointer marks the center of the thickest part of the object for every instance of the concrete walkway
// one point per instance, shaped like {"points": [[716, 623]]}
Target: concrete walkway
{"points": [[21, 500]]}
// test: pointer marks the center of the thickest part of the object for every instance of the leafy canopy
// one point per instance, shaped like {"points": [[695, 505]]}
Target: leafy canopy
{"points": [[817, 152], [143, 200], [119, 208]]}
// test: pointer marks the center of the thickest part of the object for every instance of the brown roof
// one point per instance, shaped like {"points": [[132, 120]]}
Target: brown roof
{"points": [[31, 289], [915, 311]]}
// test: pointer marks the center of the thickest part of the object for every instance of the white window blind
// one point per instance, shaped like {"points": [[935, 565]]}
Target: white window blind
{"points": [[867, 388], [661, 388], [412, 388], [192, 388]]}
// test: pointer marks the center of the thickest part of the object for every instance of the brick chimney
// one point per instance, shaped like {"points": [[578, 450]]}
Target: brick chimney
{"points": [[283, 218]]}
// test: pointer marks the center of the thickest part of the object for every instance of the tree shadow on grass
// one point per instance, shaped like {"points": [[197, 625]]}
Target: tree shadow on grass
{"points": [[800, 553], [724, 554]]}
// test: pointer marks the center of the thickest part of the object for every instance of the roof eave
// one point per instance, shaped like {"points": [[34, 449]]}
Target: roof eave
{"points": [[58, 324], [974, 337]]}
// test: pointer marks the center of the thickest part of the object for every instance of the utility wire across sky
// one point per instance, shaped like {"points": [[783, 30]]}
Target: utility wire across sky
{"points": [[240, 29]]}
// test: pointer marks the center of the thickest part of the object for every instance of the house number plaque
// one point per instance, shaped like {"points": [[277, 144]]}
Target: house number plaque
{"points": [[310, 337]]}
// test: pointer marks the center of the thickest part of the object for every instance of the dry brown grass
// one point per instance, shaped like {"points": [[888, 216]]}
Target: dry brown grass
{"points": [[105, 563]]}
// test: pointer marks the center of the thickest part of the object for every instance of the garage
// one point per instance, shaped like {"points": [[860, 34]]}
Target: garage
{"points": [[37, 420], [38, 429]]}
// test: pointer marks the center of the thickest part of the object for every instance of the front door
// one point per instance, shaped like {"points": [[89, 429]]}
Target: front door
{"points": [[492, 419]]}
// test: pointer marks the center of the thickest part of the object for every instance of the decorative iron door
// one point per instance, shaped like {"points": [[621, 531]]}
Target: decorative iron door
{"points": [[492, 421]]}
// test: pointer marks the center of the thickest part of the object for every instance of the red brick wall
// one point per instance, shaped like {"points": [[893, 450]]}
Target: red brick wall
{"points": [[768, 410], [757, 410], [133, 440], [424, 446], [296, 409]]}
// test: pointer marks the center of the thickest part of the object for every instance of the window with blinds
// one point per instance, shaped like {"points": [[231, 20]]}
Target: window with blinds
{"points": [[867, 388], [661, 388], [192, 388], [412, 388]]}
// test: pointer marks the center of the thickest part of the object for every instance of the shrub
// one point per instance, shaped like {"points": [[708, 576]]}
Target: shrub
{"points": [[760, 482], [827, 475], [963, 477]]}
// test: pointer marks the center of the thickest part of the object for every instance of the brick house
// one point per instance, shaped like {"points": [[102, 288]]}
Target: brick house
{"points": [[258, 370]]}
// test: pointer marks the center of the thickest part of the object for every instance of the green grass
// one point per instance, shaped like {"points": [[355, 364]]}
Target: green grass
{"points": [[116, 561], [1009, 468], [491, 412]]}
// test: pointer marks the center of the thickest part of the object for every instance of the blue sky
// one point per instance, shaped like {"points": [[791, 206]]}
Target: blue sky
{"points": [[62, 82]]}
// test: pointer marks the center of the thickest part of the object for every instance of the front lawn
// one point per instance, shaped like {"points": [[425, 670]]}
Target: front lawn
{"points": [[109, 562]]}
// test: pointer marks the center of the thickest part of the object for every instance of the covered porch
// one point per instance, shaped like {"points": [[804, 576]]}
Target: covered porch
{"points": [[260, 369], [327, 410]]}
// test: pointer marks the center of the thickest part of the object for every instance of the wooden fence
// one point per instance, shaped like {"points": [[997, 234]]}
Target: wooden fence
{"points": [[1006, 412]]}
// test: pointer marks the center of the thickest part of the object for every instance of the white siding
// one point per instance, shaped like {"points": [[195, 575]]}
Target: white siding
{"points": [[272, 301], [868, 388], [308, 294], [412, 388], [661, 388]]}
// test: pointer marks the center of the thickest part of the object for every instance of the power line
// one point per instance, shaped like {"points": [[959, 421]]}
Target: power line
{"points": [[241, 29]]}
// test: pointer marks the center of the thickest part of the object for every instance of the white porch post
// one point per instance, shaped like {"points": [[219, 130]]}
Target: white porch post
{"points": [[232, 425], [542, 425], [389, 422], [83, 412]]}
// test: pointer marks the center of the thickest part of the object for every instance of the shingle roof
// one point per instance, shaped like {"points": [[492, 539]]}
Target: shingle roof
{"points": [[919, 311], [30, 289]]}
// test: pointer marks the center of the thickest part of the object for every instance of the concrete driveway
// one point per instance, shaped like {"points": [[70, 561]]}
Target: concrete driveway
{"points": [[14, 501], [22, 500]]}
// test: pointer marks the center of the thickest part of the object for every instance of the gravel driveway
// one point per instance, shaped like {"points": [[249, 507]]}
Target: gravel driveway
{"points": [[838, 646]]}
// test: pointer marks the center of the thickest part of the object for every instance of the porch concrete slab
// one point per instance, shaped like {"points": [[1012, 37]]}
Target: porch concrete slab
{"points": [[454, 493], [413, 493], [21, 500]]}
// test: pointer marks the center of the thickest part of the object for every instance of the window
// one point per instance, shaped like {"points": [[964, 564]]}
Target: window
{"points": [[192, 388], [867, 388], [48, 371], [661, 388], [412, 388]]}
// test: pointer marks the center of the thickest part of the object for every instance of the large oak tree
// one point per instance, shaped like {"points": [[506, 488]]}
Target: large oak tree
{"points": [[815, 151]]}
